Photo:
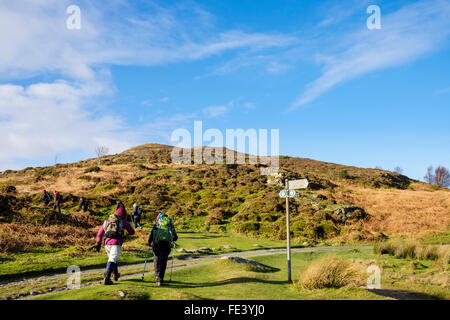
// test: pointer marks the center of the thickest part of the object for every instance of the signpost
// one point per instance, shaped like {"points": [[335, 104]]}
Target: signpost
{"points": [[289, 192]]}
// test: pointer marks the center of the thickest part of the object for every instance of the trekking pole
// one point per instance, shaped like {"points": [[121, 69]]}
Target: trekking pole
{"points": [[145, 264], [173, 254]]}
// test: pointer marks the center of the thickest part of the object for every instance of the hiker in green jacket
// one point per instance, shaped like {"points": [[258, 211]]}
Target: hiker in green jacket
{"points": [[161, 239]]}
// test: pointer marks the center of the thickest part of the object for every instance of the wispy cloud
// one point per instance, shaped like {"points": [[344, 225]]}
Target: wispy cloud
{"points": [[216, 111], [36, 39], [407, 34], [442, 91], [48, 116]]}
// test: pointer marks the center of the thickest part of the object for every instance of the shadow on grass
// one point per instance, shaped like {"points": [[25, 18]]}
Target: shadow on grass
{"points": [[402, 295], [187, 285]]}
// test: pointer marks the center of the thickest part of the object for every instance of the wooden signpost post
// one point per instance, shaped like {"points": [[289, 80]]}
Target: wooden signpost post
{"points": [[289, 192]]}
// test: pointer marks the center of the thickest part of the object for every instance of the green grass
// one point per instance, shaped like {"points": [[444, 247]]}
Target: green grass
{"points": [[220, 280], [232, 281], [46, 260]]}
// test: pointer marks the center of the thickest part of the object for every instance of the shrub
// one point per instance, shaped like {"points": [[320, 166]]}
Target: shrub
{"points": [[247, 227], [343, 174], [219, 213], [92, 169], [212, 221], [331, 272], [7, 188]]}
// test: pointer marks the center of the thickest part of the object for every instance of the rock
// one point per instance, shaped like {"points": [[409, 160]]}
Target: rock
{"points": [[33, 293], [181, 250], [242, 260], [122, 294], [204, 249], [227, 246], [256, 245], [306, 244], [8, 298], [349, 213]]}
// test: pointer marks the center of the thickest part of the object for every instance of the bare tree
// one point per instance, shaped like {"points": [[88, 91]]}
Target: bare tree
{"points": [[442, 176], [101, 151], [398, 170], [439, 177], [429, 177]]}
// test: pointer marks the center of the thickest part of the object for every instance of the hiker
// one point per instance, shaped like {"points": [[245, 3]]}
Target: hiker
{"points": [[161, 239], [57, 201], [113, 232], [136, 216], [84, 203], [46, 198]]}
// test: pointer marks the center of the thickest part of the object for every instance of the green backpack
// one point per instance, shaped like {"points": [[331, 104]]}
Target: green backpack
{"points": [[164, 230]]}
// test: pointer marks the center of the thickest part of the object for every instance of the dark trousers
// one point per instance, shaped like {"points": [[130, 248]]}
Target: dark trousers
{"points": [[136, 221], [57, 206], [161, 252]]}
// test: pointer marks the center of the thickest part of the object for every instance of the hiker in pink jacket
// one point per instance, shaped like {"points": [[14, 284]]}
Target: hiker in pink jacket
{"points": [[113, 232]]}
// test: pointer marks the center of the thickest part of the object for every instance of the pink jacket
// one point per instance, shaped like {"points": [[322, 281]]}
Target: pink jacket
{"points": [[108, 241]]}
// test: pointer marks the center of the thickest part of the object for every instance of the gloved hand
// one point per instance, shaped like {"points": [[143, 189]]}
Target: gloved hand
{"points": [[98, 246]]}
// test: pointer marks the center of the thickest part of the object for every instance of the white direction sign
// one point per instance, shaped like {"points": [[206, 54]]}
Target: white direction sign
{"points": [[298, 184]]}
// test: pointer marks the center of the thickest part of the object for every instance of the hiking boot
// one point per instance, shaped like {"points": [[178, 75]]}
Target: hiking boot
{"points": [[116, 276], [107, 279]]}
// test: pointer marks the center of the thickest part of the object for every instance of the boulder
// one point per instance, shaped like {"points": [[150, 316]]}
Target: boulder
{"points": [[352, 213]]}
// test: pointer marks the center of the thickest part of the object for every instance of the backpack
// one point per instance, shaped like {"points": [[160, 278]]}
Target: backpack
{"points": [[113, 227], [164, 230]]}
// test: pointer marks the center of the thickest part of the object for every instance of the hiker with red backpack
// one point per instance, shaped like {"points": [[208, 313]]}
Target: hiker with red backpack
{"points": [[161, 239], [57, 201], [113, 232]]}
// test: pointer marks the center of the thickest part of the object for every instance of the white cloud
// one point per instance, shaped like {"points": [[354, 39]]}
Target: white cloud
{"points": [[406, 35], [34, 38], [47, 118], [52, 116], [217, 111]]}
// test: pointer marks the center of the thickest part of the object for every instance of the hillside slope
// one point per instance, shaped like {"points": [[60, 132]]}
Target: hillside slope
{"points": [[342, 203]]}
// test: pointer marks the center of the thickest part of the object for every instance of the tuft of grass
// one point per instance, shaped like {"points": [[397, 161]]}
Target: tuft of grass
{"points": [[330, 272], [415, 250]]}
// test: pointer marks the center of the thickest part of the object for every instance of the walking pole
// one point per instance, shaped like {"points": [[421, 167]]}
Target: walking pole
{"points": [[145, 264], [173, 254]]}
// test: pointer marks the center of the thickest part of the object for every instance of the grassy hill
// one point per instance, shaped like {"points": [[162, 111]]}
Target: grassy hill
{"points": [[342, 203]]}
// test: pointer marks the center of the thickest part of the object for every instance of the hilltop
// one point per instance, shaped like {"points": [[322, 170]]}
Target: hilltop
{"points": [[342, 203]]}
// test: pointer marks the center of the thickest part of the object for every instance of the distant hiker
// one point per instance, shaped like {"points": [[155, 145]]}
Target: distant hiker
{"points": [[136, 216], [57, 201], [113, 232], [161, 239], [46, 198], [84, 204]]}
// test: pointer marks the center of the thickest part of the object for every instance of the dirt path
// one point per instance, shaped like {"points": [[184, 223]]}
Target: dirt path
{"points": [[47, 284]]}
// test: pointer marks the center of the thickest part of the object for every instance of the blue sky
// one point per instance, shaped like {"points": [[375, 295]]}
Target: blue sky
{"points": [[137, 70]]}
